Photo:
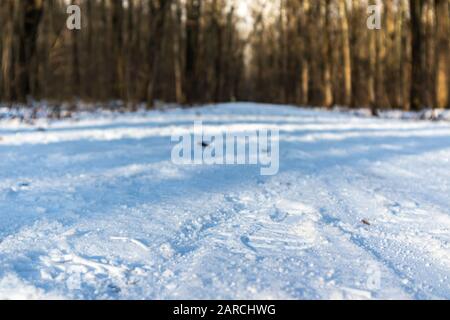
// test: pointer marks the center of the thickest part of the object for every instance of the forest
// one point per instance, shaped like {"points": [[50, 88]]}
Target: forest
{"points": [[187, 150], [300, 52]]}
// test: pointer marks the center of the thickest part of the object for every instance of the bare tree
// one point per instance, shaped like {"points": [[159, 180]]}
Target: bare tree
{"points": [[29, 19], [417, 78], [442, 54]]}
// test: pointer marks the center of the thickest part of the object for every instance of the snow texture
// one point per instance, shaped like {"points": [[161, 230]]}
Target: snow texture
{"points": [[93, 208]]}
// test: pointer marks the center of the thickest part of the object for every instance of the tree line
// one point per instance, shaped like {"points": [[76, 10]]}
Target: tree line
{"points": [[322, 53], [303, 52]]}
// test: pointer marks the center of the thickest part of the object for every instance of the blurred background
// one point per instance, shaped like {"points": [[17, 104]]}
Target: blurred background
{"points": [[302, 52]]}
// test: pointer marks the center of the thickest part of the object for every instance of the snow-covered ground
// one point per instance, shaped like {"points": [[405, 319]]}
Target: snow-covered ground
{"points": [[95, 209]]}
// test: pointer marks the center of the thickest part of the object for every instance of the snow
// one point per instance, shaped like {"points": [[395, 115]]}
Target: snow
{"points": [[93, 208]]}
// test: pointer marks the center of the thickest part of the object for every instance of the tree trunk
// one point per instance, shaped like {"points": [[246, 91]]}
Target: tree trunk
{"points": [[305, 54], [371, 83], [155, 44], [192, 43], [442, 54], [8, 52], [31, 13], [118, 49], [177, 18], [343, 11], [76, 76], [326, 55], [417, 78]]}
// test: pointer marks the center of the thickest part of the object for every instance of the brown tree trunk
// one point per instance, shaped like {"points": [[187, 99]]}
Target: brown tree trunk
{"points": [[159, 10], [417, 78], [90, 72], [106, 79], [76, 76], [326, 55], [442, 54], [8, 52], [118, 49], [177, 18], [346, 54], [371, 82], [31, 13], [192, 42], [305, 54]]}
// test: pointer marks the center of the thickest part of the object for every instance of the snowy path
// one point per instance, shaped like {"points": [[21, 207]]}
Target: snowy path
{"points": [[95, 209]]}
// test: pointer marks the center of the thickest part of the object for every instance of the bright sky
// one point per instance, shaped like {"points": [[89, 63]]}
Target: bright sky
{"points": [[243, 8], [244, 12]]}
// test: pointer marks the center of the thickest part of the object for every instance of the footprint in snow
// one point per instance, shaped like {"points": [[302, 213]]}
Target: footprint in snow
{"points": [[113, 289], [12, 192], [396, 208], [23, 184], [15, 190], [246, 242], [278, 215]]}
